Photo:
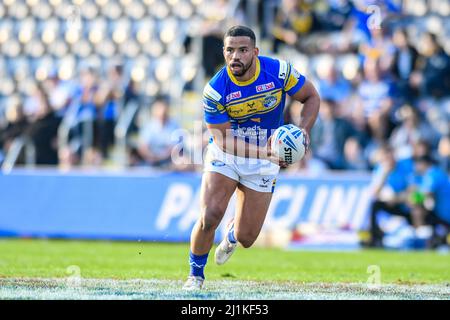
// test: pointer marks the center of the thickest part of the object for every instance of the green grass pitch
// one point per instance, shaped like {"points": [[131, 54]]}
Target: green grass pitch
{"points": [[35, 269]]}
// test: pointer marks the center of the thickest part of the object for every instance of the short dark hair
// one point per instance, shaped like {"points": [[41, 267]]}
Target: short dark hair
{"points": [[162, 98], [426, 158], [241, 31]]}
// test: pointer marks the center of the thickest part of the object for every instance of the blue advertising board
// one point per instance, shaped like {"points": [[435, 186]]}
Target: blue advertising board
{"points": [[160, 206]]}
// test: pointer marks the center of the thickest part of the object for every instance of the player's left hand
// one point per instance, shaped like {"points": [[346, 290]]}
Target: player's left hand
{"points": [[283, 164], [274, 158]]}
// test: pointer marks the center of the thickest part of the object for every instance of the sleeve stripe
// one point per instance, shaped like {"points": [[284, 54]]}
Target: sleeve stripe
{"points": [[298, 85], [288, 74], [210, 102], [206, 96], [211, 92]]}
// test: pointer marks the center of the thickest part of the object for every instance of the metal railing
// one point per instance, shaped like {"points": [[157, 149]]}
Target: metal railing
{"points": [[14, 151], [120, 131]]}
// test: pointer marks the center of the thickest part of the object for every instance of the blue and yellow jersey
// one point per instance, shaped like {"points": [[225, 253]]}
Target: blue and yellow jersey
{"points": [[254, 107]]}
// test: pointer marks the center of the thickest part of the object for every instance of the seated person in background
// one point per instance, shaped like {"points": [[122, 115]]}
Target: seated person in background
{"points": [[43, 131], [293, 19], [430, 201], [411, 130], [432, 76], [329, 135], [354, 158], [389, 185], [444, 153], [156, 140], [108, 102], [331, 84], [16, 124], [376, 100]]}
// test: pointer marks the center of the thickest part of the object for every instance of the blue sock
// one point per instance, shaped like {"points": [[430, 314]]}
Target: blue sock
{"points": [[197, 264], [231, 237]]}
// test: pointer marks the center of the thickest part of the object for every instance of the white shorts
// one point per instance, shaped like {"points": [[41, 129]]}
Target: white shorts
{"points": [[256, 174]]}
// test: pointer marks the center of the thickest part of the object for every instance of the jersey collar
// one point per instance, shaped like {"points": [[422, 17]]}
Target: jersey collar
{"points": [[249, 81]]}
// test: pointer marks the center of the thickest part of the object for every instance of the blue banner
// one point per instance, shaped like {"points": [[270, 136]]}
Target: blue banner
{"points": [[160, 207]]}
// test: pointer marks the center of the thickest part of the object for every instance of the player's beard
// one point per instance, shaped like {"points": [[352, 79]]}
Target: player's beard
{"points": [[244, 68]]}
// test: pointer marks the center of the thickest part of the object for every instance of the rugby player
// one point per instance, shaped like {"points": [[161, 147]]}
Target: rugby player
{"points": [[243, 104]]}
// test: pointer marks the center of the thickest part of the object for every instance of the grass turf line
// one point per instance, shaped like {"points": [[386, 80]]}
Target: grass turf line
{"points": [[146, 260]]}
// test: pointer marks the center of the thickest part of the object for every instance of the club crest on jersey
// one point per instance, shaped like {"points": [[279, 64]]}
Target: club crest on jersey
{"points": [[233, 95], [265, 87], [269, 101]]}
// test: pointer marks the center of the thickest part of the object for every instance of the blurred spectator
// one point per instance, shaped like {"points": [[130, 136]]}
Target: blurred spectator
{"points": [[376, 101], [430, 201], [84, 102], [357, 20], [444, 153], [156, 140], [332, 85], [380, 48], [58, 92], [411, 130], [86, 92], [329, 135], [218, 15], [363, 21], [353, 155], [43, 130], [390, 181], [293, 19], [333, 15], [432, 78], [108, 100], [404, 64], [16, 124]]}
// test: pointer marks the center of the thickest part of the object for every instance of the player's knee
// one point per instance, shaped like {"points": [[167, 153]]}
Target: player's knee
{"points": [[211, 218], [247, 243], [246, 239]]}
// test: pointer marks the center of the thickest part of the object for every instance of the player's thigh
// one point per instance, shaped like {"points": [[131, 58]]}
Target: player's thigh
{"points": [[251, 211], [216, 192]]}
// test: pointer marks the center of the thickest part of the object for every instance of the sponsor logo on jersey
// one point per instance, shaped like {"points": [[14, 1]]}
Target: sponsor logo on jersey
{"points": [[233, 95], [269, 101], [254, 106], [265, 87]]}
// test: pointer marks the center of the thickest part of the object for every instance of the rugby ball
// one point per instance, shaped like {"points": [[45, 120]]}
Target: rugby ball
{"points": [[289, 143]]}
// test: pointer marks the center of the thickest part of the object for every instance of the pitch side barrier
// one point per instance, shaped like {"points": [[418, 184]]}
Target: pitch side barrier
{"points": [[161, 206]]}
